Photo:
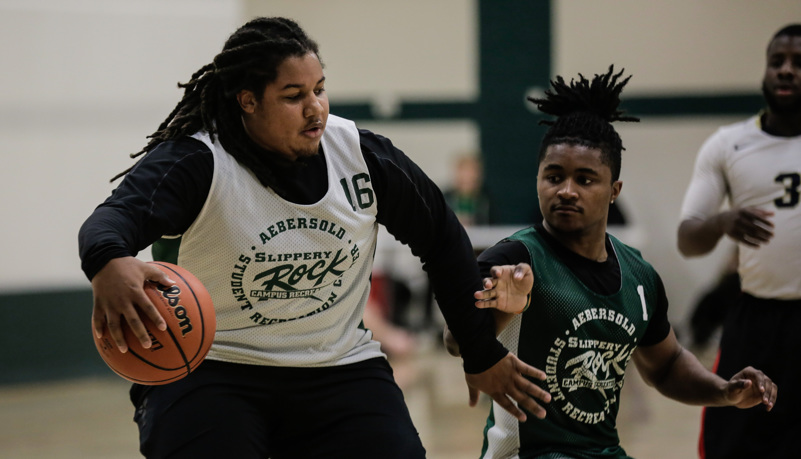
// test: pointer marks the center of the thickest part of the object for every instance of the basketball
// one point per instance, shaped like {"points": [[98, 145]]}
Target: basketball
{"points": [[177, 351]]}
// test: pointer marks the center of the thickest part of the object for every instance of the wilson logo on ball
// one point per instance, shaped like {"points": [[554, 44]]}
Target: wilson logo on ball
{"points": [[172, 295], [175, 352]]}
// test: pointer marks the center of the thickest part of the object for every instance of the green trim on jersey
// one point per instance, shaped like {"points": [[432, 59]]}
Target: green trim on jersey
{"points": [[583, 341], [490, 424], [166, 249]]}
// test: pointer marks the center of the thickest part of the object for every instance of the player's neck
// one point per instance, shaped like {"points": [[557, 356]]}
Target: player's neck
{"points": [[589, 243], [781, 125]]}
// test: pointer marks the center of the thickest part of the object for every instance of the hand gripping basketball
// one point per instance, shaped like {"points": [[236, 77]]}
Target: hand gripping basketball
{"points": [[175, 352]]}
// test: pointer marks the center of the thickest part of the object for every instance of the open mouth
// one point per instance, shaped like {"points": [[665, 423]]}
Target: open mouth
{"points": [[314, 131]]}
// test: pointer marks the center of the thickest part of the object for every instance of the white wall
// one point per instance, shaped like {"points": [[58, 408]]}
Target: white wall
{"points": [[671, 46], [83, 83], [389, 49]]}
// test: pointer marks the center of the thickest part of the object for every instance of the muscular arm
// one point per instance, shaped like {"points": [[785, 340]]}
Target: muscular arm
{"points": [[676, 373], [703, 223]]}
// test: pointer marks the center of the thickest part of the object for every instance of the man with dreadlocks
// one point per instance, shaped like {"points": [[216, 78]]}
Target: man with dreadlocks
{"points": [[274, 205], [577, 302], [756, 166]]}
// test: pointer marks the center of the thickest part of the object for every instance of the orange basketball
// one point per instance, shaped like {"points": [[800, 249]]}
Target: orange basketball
{"points": [[176, 351]]}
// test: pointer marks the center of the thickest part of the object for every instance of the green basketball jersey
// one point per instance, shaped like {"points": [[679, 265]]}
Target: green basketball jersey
{"points": [[583, 341]]}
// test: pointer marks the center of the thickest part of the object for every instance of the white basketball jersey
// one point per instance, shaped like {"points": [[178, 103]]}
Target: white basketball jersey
{"points": [[289, 281], [753, 168]]}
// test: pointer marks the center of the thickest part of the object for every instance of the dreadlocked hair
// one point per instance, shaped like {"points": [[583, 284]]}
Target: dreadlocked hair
{"points": [[584, 112], [249, 60]]}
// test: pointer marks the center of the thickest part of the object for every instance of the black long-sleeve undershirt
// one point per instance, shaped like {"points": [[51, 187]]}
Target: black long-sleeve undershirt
{"points": [[166, 190], [602, 278]]}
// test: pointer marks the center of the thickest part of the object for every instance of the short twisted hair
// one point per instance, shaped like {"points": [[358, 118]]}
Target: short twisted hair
{"points": [[585, 110]]}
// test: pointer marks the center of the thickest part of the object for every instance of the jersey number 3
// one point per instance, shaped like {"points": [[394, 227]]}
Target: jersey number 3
{"points": [[791, 183]]}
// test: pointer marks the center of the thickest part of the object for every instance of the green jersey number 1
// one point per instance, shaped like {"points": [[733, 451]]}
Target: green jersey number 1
{"points": [[641, 292]]}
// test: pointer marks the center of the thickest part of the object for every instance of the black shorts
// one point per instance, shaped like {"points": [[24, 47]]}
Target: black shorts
{"points": [[224, 410], [763, 334]]}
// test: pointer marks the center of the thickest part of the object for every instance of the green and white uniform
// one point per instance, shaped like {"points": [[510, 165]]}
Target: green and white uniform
{"points": [[583, 340], [303, 270], [286, 251]]}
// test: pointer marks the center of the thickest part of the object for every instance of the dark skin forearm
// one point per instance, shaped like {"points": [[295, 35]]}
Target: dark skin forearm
{"points": [[685, 380], [698, 237], [749, 226], [677, 374]]}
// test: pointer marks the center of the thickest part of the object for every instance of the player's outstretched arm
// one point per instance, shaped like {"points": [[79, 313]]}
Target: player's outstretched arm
{"points": [[505, 382], [507, 292], [507, 288], [676, 373], [119, 294], [749, 388]]}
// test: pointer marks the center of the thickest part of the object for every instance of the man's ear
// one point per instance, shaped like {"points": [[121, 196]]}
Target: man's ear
{"points": [[617, 186], [247, 101]]}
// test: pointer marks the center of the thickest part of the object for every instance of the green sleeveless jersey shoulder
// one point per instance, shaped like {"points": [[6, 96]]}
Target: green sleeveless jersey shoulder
{"points": [[583, 341]]}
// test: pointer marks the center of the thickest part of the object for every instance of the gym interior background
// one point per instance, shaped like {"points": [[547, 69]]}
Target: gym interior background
{"points": [[84, 81]]}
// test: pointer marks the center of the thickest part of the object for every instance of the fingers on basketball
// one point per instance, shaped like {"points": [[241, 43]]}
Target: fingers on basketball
{"points": [[187, 308]]}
